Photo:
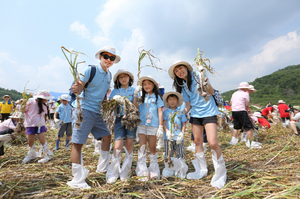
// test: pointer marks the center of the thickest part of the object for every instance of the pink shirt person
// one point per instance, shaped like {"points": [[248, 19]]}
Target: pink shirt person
{"points": [[239, 99], [32, 116]]}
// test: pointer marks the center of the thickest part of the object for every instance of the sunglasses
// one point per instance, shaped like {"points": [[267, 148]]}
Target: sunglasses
{"points": [[106, 56]]}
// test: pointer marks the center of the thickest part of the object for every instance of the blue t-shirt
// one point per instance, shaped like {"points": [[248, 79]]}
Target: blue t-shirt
{"points": [[179, 119], [65, 112], [200, 108], [91, 99], [150, 105], [121, 91]]}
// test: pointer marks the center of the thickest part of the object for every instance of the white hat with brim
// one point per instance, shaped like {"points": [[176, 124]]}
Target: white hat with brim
{"points": [[244, 85], [43, 94], [148, 77], [281, 102], [110, 50], [18, 114], [123, 71], [178, 63], [180, 98], [257, 114], [65, 97], [251, 88]]}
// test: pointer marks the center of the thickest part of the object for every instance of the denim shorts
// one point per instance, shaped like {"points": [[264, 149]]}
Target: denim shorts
{"points": [[92, 123], [121, 132]]}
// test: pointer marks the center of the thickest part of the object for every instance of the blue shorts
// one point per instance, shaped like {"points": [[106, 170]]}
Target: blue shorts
{"points": [[121, 132], [92, 123]]}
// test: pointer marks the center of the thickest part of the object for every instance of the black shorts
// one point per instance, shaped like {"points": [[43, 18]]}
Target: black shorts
{"points": [[241, 120], [203, 121]]}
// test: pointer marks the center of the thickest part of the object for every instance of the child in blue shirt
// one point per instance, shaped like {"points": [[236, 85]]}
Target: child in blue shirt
{"points": [[123, 81], [65, 113], [174, 127], [151, 126]]}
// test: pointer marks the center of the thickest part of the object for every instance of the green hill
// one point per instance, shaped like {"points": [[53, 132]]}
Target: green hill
{"points": [[15, 95], [283, 84]]}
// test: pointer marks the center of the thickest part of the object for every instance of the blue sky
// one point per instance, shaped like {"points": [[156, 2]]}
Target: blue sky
{"points": [[243, 39]]}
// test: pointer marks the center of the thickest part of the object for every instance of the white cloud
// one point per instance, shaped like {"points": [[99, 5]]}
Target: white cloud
{"points": [[278, 53], [80, 29]]}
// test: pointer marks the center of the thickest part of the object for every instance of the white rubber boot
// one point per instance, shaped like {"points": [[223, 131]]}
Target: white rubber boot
{"points": [[97, 146], [31, 155], [244, 137], [114, 169], [219, 178], [103, 161], [191, 148], [48, 155], [79, 175], [167, 171], [253, 145], [200, 167], [154, 167], [234, 141], [126, 166], [160, 143], [180, 168], [141, 166]]}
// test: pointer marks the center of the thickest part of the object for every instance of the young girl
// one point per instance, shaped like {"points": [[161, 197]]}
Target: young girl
{"points": [[35, 122], [123, 81], [203, 115], [151, 126]]}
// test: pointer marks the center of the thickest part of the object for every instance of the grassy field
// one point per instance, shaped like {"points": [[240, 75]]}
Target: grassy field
{"points": [[270, 172]]}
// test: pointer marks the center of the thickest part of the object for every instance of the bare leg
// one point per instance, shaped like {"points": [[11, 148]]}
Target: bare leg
{"points": [[142, 140], [235, 133], [152, 144], [42, 138], [129, 145], [198, 137], [30, 140], [212, 138], [118, 146], [105, 143], [76, 153], [292, 123]]}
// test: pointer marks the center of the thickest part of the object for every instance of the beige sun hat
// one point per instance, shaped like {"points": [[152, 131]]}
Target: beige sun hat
{"points": [[281, 102], [6, 96], [148, 77], [257, 114], [123, 71], [109, 50], [43, 94], [178, 63], [18, 114], [165, 97], [251, 88], [65, 97], [244, 85]]}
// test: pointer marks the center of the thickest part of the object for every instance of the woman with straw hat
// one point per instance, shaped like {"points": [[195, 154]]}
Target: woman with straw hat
{"points": [[6, 107], [203, 115]]}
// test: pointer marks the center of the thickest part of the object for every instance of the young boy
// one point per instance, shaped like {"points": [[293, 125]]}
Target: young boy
{"points": [[64, 110], [174, 135]]}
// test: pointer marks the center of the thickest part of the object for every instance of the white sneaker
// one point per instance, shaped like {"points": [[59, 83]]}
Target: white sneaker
{"points": [[234, 141], [253, 145], [244, 137], [219, 178], [200, 167]]}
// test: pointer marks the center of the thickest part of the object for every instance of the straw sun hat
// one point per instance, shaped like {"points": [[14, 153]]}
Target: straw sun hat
{"points": [[281, 102], [148, 77], [257, 114], [166, 95], [178, 63], [65, 97], [244, 85], [6, 96], [122, 71], [109, 50]]}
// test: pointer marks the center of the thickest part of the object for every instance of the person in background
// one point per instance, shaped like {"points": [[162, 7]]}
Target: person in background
{"points": [[64, 110], [261, 120], [295, 121], [6, 107], [52, 109], [285, 116]]}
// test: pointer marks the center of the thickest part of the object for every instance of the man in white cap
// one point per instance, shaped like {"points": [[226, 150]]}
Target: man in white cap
{"points": [[91, 99], [240, 105]]}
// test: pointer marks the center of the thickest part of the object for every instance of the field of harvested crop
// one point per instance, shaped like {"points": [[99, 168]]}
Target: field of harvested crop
{"points": [[270, 172]]}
